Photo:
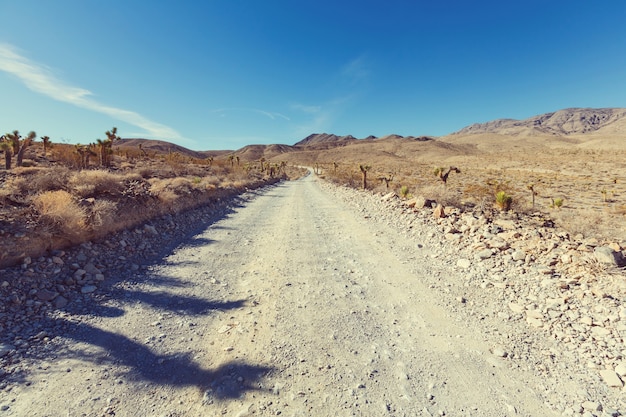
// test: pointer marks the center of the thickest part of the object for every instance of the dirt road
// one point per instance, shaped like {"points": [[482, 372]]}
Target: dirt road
{"points": [[293, 305]]}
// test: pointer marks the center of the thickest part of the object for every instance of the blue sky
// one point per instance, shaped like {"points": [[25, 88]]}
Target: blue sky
{"points": [[222, 74]]}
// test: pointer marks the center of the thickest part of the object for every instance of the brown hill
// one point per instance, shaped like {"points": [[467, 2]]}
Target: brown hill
{"points": [[256, 152], [162, 147], [567, 122], [317, 138]]}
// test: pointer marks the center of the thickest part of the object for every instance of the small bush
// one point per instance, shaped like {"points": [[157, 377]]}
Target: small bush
{"points": [[503, 201], [61, 213], [102, 213], [92, 183]]}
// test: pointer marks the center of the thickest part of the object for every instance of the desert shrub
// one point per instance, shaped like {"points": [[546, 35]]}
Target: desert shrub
{"points": [[557, 203], [167, 186], [404, 191], [102, 212], [55, 178], [89, 183], [61, 213], [503, 200]]}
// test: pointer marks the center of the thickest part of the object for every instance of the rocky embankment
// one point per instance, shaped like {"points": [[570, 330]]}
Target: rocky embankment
{"points": [[555, 301]]}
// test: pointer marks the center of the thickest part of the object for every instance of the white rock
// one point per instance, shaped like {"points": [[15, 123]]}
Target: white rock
{"points": [[519, 255], [611, 378], [463, 263], [620, 369]]}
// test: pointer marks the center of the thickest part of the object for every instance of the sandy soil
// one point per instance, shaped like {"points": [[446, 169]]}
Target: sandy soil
{"points": [[294, 305]]}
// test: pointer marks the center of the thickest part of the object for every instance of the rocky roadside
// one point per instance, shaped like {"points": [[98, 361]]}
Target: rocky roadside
{"points": [[555, 302], [41, 297]]}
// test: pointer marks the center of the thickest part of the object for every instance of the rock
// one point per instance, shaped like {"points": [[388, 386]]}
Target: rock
{"points": [[46, 295], [421, 202], [88, 289], [611, 378], [591, 406], [91, 269], [516, 308], [60, 302], [484, 254], [606, 255], [498, 244], [463, 263], [388, 196], [439, 212], [150, 229], [620, 369], [500, 352], [518, 255], [600, 332], [5, 348]]}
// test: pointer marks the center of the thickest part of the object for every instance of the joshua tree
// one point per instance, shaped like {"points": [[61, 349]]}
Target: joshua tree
{"points": [[531, 187], [46, 144], [5, 146], [443, 174], [364, 169], [105, 147], [142, 150], [19, 145], [386, 180], [84, 152], [231, 159]]}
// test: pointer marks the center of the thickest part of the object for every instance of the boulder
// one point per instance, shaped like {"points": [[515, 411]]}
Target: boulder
{"points": [[606, 255], [439, 212]]}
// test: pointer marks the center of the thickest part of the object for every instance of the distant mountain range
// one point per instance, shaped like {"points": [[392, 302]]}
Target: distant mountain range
{"points": [[606, 124], [566, 122]]}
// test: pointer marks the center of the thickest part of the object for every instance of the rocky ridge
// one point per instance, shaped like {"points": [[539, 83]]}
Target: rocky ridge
{"points": [[562, 122]]}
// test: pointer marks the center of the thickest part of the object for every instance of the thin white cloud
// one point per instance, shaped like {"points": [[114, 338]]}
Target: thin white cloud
{"points": [[272, 115], [356, 71], [40, 79], [306, 108]]}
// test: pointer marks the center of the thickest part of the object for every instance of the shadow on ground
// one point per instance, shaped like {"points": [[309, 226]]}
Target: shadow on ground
{"points": [[82, 340]]}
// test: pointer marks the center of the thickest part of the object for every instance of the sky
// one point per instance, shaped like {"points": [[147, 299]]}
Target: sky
{"points": [[222, 74]]}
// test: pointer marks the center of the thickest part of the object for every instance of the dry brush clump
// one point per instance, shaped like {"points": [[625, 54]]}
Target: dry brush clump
{"points": [[61, 214]]}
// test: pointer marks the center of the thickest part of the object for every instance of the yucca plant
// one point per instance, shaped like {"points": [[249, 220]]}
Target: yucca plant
{"points": [[557, 203], [503, 201], [404, 192]]}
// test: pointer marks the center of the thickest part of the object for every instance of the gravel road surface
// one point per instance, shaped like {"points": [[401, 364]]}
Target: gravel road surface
{"points": [[295, 304]]}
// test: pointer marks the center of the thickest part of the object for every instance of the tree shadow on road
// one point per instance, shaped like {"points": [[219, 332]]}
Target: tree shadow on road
{"points": [[180, 304], [229, 380]]}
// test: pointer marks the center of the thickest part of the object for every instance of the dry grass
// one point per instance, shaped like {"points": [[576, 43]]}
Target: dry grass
{"points": [[61, 213], [88, 183]]}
